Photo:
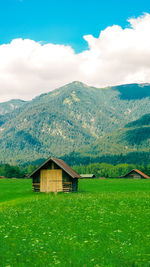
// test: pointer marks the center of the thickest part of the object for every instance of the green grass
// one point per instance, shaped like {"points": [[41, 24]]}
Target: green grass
{"points": [[11, 189], [107, 223]]}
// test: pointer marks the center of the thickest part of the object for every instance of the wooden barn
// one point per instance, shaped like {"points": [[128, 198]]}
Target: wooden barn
{"points": [[54, 175], [135, 174]]}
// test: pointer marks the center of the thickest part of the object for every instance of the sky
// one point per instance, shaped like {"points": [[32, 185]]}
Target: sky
{"points": [[45, 44]]}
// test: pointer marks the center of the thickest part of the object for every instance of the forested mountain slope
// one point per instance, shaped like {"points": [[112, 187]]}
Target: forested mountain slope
{"points": [[72, 118], [11, 105], [131, 144]]}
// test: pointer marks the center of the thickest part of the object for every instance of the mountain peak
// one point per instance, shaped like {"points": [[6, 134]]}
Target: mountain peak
{"points": [[77, 83]]}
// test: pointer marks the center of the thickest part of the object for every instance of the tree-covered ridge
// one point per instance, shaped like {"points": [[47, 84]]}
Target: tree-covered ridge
{"points": [[143, 121], [9, 106], [133, 138], [133, 91], [71, 119]]}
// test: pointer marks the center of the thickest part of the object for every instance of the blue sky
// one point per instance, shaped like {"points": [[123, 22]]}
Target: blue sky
{"points": [[64, 21], [45, 44]]}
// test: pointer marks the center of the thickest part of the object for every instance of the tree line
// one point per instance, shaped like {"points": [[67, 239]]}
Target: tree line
{"points": [[99, 169], [9, 171], [110, 171]]}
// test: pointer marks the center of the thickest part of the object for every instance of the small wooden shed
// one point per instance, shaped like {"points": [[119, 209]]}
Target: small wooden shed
{"points": [[2, 177], [54, 175], [135, 174], [87, 176]]}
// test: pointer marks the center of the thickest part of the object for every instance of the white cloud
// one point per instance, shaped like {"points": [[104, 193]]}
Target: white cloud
{"points": [[28, 68]]}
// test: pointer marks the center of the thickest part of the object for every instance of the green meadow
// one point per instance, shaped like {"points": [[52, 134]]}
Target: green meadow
{"points": [[107, 223]]}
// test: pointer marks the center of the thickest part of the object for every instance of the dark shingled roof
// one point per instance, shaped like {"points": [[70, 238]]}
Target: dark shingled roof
{"points": [[61, 164]]}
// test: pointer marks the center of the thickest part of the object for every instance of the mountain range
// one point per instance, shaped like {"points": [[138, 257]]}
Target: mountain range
{"points": [[79, 123]]}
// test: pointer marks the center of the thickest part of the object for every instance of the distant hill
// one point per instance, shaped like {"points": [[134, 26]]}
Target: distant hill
{"points": [[11, 105], [76, 118]]}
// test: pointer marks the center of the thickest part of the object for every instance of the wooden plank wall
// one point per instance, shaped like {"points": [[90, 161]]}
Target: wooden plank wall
{"points": [[51, 181]]}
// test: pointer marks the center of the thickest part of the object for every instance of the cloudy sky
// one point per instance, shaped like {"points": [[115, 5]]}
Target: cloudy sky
{"points": [[45, 44]]}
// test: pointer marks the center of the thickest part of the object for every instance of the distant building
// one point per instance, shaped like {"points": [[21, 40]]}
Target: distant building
{"points": [[87, 176], [2, 177], [54, 175], [135, 174]]}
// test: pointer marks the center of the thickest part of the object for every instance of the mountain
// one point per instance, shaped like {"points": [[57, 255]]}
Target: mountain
{"points": [[11, 105], [75, 118], [128, 145]]}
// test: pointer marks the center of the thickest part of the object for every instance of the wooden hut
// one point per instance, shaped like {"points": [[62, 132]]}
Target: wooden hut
{"points": [[87, 176], [135, 174], [54, 175]]}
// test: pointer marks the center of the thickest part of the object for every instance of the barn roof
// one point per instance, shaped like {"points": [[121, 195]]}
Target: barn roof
{"points": [[88, 175], [139, 172], [61, 164]]}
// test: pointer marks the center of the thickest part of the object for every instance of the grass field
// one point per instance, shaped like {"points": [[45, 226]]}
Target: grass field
{"points": [[107, 223]]}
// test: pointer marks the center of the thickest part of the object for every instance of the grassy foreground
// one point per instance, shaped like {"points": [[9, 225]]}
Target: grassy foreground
{"points": [[107, 223]]}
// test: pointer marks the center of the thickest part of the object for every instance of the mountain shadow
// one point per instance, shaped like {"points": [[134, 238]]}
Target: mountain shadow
{"points": [[133, 91], [143, 121]]}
